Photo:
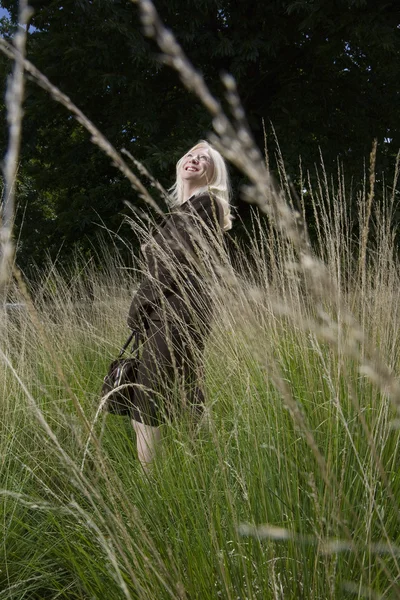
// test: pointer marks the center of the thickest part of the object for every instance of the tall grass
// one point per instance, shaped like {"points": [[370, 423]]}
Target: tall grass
{"points": [[291, 487]]}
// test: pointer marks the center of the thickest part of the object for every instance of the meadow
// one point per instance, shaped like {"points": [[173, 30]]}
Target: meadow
{"points": [[288, 489]]}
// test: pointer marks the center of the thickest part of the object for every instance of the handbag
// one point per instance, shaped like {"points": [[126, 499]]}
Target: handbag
{"points": [[117, 392]]}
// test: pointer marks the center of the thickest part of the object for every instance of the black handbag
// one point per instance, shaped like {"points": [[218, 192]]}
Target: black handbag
{"points": [[117, 392]]}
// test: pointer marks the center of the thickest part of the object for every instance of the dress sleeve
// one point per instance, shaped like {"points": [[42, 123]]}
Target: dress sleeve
{"points": [[177, 244]]}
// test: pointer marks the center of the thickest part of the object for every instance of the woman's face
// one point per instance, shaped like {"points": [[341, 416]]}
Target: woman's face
{"points": [[197, 166]]}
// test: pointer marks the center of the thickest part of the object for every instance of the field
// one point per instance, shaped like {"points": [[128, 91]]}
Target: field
{"points": [[288, 489], [289, 486]]}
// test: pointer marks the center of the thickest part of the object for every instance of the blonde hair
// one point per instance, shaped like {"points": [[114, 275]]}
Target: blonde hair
{"points": [[218, 186]]}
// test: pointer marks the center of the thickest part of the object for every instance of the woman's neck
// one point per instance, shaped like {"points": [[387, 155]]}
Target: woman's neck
{"points": [[189, 189]]}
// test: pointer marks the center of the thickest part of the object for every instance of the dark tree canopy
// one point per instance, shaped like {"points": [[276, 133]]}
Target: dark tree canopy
{"points": [[324, 73]]}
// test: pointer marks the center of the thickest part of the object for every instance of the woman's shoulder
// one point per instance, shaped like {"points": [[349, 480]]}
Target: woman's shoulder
{"points": [[206, 204], [204, 197]]}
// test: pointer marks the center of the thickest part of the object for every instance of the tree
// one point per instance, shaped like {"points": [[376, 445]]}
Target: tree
{"points": [[323, 73]]}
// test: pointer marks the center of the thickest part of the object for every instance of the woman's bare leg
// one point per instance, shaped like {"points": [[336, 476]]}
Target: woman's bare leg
{"points": [[147, 440]]}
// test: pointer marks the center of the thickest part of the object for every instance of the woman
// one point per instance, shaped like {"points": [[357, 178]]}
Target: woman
{"points": [[172, 304]]}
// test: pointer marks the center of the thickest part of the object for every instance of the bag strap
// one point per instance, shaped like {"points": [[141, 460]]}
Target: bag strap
{"points": [[135, 334]]}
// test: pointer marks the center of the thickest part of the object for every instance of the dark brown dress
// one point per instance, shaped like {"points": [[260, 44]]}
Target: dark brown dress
{"points": [[173, 307]]}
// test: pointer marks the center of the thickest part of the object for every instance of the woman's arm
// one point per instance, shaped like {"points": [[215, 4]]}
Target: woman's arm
{"points": [[198, 221]]}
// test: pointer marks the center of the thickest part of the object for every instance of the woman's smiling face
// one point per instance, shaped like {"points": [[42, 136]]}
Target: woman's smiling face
{"points": [[197, 166]]}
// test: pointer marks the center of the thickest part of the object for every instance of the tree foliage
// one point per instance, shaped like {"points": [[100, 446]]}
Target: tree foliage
{"points": [[325, 74]]}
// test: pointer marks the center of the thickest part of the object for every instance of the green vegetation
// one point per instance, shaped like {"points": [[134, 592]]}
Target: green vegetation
{"points": [[290, 487], [325, 74]]}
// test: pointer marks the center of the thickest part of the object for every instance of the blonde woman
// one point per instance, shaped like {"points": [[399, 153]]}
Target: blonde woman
{"points": [[172, 304]]}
